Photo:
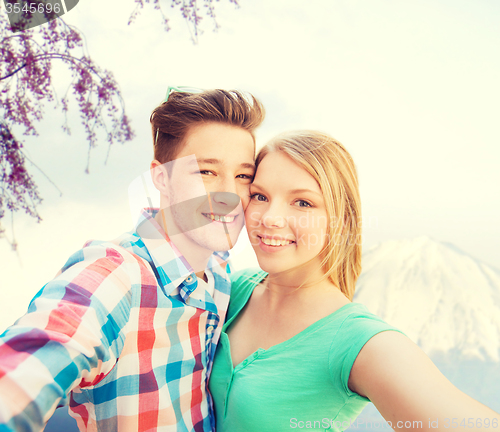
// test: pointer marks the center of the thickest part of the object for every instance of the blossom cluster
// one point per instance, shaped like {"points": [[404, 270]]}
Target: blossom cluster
{"points": [[27, 58], [192, 11]]}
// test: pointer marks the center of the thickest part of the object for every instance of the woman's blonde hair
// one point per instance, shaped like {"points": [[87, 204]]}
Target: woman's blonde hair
{"points": [[332, 167]]}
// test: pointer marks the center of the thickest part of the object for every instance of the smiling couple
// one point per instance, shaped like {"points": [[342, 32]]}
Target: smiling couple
{"points": [[140, 334]]}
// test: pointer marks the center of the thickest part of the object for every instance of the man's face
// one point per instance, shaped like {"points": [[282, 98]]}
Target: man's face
{"points": [[209, 185]]}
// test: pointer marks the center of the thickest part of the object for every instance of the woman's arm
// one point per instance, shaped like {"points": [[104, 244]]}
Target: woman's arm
{"points": [[409, 390]]}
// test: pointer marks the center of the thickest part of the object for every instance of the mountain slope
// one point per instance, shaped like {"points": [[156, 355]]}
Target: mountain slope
{"points": [[442, 298]]}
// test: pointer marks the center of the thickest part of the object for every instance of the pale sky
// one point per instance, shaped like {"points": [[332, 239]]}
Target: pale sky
{"points": [[411, 88]]}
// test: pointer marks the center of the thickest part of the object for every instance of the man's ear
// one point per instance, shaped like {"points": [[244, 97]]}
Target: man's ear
{"points": [[160, 178]]}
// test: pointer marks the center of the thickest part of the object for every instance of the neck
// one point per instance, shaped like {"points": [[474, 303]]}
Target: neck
{"points": [[195, 255], [298, 281], [300, 288], [280, 298]]}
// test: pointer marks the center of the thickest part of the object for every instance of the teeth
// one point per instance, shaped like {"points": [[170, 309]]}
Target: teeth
{"points": [[274, 242], [227, 219]]}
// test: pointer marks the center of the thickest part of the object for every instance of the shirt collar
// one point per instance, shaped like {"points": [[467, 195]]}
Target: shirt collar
{"points": [[172, 267]]}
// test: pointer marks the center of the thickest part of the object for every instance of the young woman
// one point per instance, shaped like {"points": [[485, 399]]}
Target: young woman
{"points": [[295, 352]]}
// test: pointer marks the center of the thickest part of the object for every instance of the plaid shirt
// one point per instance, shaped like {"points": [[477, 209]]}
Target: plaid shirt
{"points": [[123, 335]]}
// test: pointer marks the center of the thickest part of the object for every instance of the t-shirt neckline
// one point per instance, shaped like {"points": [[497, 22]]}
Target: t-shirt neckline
{"points": [[286, 343]]}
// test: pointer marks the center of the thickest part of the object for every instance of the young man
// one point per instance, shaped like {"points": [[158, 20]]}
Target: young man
{"points": [[126, 332]]}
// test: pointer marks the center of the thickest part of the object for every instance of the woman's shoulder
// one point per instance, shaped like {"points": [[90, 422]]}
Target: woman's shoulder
{"points": [[358, 320], [357, 327], [246, 279], [243, 283]]}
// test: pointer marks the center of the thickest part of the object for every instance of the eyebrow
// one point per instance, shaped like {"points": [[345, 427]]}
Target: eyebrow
{"points": [[291, 192], [206, 161], [299, 191], [219, 162]]}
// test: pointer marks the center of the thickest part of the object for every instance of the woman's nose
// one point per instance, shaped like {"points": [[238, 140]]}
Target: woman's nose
{"points": [[273, 220]]}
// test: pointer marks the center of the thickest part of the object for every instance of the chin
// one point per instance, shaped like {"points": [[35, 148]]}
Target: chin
{"points": [[222, 244], [217, 244], [270, 267]]}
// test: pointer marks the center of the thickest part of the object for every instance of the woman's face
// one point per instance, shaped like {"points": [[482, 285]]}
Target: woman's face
{"points": [[286, 218]]}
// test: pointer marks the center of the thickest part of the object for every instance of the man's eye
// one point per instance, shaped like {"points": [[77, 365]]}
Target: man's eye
{"points": [[245, 176], [258, 197]]}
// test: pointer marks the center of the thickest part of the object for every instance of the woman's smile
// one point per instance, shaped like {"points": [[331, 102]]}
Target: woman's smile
{"points": [[286, 216]]}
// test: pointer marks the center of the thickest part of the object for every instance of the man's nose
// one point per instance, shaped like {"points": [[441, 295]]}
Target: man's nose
{"points": [[226, 184], [228, 199]]}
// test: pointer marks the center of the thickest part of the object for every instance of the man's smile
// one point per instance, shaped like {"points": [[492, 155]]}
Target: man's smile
{"points": [[220, 218]]}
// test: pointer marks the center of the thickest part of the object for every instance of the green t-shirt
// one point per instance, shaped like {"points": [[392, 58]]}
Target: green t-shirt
{"points": [[300, 383]]}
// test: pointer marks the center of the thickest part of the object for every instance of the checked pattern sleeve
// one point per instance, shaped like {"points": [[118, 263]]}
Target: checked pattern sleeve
{"points": [[71, 336]]}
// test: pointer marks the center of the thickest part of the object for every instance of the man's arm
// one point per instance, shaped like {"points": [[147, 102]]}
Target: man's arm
{"points": [[71, 337]]}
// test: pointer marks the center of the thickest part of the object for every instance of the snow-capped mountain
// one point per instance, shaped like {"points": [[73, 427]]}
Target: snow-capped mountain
{"points": [[442, 298]]}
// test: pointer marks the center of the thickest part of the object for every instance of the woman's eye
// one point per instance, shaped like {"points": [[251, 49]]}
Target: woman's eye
{"points": [[205, 172], [258, 197], [302, 203]]}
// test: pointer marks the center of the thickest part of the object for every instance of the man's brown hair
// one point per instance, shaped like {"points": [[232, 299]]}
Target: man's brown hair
{"points": [[171, 121]]}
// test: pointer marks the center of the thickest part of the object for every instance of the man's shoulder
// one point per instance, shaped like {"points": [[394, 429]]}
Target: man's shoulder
{"points": [[124, 249], [105, 271]]}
